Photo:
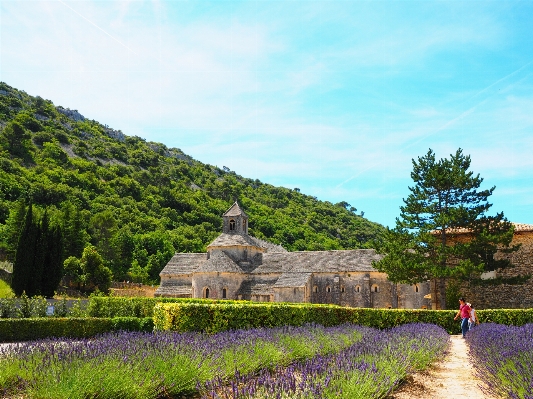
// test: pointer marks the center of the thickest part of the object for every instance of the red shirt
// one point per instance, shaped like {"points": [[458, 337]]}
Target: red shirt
{"points": [[465, 311]]}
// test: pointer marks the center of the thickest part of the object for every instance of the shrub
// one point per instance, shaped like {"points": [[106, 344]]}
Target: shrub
{"points": [[12, 330], [215, 317], [8, 308]]}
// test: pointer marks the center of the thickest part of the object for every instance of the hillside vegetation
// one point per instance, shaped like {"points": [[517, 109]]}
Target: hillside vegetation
{"points": [[138, 202]]}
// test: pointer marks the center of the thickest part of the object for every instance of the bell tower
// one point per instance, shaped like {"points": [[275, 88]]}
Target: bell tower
{"points": [[235, 220]]}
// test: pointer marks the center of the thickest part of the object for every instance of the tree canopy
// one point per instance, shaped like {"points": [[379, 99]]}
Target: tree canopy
{"points": [[443, 230]]}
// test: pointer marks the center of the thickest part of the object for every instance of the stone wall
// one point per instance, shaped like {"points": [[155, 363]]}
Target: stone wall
{"points": [[507, 295], [367, 290], [5, 275], [217, 282], [290, 294]]}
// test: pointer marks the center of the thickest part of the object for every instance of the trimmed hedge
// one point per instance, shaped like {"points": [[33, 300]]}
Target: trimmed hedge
{"points": [[102, 306], [12, 330], [212, 318]]}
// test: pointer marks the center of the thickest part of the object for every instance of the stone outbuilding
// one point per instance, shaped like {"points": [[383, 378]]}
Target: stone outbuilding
{"points": [[239, 266], [505, 288]]}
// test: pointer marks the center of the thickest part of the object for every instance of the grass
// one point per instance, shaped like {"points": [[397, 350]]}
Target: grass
{"points": [[5, 290]]}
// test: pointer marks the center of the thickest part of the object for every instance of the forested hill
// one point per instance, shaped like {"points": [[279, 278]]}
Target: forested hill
{"points": [[139, 202]]}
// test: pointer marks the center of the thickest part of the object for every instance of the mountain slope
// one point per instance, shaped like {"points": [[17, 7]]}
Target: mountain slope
{"points": [[140, 201]]}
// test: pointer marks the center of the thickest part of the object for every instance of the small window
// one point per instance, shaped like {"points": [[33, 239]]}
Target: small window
{"points": [[328, 289], [232, 225], [416, 288], [315, 289], [357, 288], [224, 293], [206, 293], [375, 288], [244, 225], [342, 289]]}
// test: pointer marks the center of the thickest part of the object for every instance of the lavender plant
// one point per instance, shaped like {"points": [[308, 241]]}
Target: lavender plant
{"points": [[503, 356], [369, 368], [135, 365]]}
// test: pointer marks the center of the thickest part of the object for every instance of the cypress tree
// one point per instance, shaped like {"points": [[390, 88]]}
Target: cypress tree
{"points": [[52, 261], [23, 278]]}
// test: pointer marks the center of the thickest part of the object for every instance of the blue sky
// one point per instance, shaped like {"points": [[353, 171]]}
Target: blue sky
{"points": [[332, 97]]}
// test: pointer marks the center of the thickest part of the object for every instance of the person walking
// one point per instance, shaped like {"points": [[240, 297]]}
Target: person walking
{"points": [[473, 320], [464, 313]]}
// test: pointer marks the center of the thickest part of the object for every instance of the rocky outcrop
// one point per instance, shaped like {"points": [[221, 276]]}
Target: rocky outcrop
{"points": [[71, 113]]}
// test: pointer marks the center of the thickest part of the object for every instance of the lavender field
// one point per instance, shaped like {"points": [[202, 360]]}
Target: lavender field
{"points": [[503, 359], [291, 362]]}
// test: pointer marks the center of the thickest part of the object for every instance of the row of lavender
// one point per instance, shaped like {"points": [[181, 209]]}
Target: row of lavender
{"points": [[503, 359], [370, 368], [311, 361]]}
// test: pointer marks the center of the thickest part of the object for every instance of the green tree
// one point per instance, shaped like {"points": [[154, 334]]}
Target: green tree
{"points": [[49, 257], [13, 228], [74, 235], [18, 139], [38, 266], [444, 201], [89, 272], [103, 228], [25, 276]]}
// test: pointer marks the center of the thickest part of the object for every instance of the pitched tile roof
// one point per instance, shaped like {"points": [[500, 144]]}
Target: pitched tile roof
{"points": [[219, 262], [228, 240], [256, 287], [235, 239], [184, 263], [235, 210], [518, 227], [289, 279], [523, 227], [356, 260], [173, 288]]}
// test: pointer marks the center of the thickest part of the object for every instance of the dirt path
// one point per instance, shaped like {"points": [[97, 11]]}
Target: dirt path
{"points": [[450, 378]]}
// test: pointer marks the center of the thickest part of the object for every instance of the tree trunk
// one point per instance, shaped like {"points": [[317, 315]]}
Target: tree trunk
{"points": [[442, 293], [394, 293]]}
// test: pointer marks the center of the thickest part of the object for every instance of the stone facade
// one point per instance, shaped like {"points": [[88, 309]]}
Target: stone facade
{"points": [[239, 266], [510, 296]]}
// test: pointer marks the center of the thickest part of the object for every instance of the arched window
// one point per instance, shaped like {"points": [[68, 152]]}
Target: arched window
{"points": [[244, 225], [415, 288], [342, 289], [357, 288], [224, 293], [328, 289], [232, 224], [206, 292], [375, 288], [315, 289]]}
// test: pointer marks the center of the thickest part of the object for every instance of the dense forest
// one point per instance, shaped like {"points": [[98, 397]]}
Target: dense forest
{"points": [[138, 202]]}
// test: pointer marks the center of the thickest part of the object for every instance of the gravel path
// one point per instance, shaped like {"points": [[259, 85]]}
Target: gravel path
{"points": [[450, 378]]}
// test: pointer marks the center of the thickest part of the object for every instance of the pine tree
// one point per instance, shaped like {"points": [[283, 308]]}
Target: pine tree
{"points": [[444, 201]]}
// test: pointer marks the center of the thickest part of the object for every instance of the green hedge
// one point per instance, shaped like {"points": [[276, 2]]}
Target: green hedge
{"points": [[102, 306], [12, 330], [213, 318], [510, 317]]}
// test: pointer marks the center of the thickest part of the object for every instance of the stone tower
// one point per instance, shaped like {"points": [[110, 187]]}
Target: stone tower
{"points": [[235, 220]]}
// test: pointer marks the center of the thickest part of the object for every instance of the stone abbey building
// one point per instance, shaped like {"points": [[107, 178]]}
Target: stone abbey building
{"points": [[239, 266]]}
